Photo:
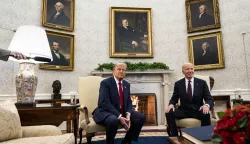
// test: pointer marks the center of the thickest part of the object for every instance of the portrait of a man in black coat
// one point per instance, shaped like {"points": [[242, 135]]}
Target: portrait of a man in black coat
{"points": [[207, 55], [129, 38], [58, 58], [202, 18], [59, 17]]}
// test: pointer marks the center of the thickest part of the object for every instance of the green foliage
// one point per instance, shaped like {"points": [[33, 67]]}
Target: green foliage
{"points": [[220, 114], [216, 138], [134, 66], [243, 122]]}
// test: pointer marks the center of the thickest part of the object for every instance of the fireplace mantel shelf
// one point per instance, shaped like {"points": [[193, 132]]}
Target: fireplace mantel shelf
{"points": [[134, 72]]}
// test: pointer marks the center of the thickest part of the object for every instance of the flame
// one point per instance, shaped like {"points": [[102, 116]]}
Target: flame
{"points": [[135, 102]]}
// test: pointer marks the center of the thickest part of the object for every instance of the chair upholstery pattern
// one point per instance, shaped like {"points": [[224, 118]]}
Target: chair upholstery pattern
{"points": [[10, 125]]}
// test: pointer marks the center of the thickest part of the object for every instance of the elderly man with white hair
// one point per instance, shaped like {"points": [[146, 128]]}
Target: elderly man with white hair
{"points": [[59, 16]]}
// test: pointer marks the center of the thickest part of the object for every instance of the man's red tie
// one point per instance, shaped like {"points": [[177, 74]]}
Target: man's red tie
{"points": [[189, 91], [121, 98]]}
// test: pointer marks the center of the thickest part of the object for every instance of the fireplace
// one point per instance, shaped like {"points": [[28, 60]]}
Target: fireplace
{"points": [[146, 103]]}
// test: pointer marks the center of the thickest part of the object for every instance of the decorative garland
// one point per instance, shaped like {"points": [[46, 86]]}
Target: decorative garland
{"points": [[134, 66]]}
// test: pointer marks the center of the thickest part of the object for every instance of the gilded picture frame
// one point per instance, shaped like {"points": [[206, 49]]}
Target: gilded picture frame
{"points": [[202, 15], [205, 51], [58, 14], [62, 50], [130, 32]]}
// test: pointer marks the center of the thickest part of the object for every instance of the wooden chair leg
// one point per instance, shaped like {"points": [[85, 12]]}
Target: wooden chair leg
{"points": [[80, 135], [89, 137]]}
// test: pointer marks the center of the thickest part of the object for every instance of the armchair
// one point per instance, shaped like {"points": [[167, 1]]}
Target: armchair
{"points": [[88, 98], [192, 122]]}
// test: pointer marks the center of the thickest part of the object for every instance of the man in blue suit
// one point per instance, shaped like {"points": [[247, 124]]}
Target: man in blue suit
{"points": [[115, 107], [191, 91]]}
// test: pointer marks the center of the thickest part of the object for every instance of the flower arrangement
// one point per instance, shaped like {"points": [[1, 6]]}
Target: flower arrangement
{"points": [[233, 126]]}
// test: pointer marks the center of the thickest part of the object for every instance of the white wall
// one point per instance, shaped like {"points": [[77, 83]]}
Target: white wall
{"points": [[92, 40]]}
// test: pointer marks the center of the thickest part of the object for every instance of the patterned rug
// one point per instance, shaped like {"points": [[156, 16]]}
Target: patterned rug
{"points": [[155, 134]]}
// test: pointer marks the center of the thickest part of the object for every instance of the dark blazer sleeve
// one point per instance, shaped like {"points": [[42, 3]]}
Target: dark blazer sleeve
{"points": [[104, 100], [175, 97], [207, 95], [129, 104], [4, 54]]}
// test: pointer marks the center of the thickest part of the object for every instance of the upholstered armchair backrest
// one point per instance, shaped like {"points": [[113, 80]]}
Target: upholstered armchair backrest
{"points": [[88, 88]]}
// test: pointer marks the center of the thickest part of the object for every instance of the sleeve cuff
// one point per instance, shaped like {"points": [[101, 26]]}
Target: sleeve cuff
{"points": [[119, 116], [207, 105]]}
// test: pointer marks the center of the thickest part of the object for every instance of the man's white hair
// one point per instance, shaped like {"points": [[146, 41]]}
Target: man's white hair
{"points": [[62, 6], [204, 6]]}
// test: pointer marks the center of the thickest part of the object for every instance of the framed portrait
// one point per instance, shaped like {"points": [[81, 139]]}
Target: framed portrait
{"points": [[62, 50], [130, 32], [205, 51], [58, 14], [202, 15]]}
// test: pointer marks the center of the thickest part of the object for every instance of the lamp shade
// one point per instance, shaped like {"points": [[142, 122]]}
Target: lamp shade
{"points": [[32, 42]]}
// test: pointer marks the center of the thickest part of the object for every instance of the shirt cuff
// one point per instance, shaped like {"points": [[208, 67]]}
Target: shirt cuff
{"points": [[207, 105], [128, 115], [119, 116]]}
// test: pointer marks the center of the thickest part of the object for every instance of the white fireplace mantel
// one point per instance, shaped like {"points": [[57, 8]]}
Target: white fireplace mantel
{"points": [[148, 77]]}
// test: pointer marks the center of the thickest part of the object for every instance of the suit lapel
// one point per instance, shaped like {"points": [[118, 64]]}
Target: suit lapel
{"points": [[196, 85], [114, 85], [125, 96]]}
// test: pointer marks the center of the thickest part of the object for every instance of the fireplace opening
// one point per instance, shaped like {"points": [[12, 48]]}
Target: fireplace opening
{"points": [[146, 103]]}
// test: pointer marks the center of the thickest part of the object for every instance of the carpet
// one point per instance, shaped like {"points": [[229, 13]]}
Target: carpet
{"points": [[153, 136], [141, 140]]}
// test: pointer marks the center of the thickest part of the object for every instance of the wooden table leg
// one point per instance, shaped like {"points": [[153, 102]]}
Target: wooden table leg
{"points": [[68, 129]]}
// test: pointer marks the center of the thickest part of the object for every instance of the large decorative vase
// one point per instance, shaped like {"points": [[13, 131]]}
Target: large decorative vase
{"points": [[26, 83]]}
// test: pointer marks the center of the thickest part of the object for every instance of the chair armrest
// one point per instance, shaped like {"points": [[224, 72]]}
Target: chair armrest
{"points": [[42, 130], [84, 109]]}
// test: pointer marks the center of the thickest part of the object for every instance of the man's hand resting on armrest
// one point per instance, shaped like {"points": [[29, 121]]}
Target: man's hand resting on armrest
{"points": [[205, 109], [169, 108]]}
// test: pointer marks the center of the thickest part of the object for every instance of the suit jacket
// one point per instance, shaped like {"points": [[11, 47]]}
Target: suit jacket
{"points": [[56, 61], [109, 99], [127, 35], [200, 92], [61, 19], [208, 58], [204, 20], [4, 54]]}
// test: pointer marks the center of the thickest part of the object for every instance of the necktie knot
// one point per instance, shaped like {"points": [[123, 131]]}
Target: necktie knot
{"points": [[120, 83], [189, 81]]}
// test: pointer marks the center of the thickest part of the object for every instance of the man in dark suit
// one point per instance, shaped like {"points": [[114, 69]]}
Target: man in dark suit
{"points": [[203, 19], [130, 39], [115, 107], [4, 55], [59, 16], [58, 58], [191, 92], [207, 56]]}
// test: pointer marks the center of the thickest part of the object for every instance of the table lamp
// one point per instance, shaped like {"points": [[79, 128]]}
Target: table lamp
{"points": [[32, 42]]}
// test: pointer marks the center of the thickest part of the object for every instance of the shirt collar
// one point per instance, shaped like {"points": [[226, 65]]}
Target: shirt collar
{"points": [[117, 81], [192, 79]]}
